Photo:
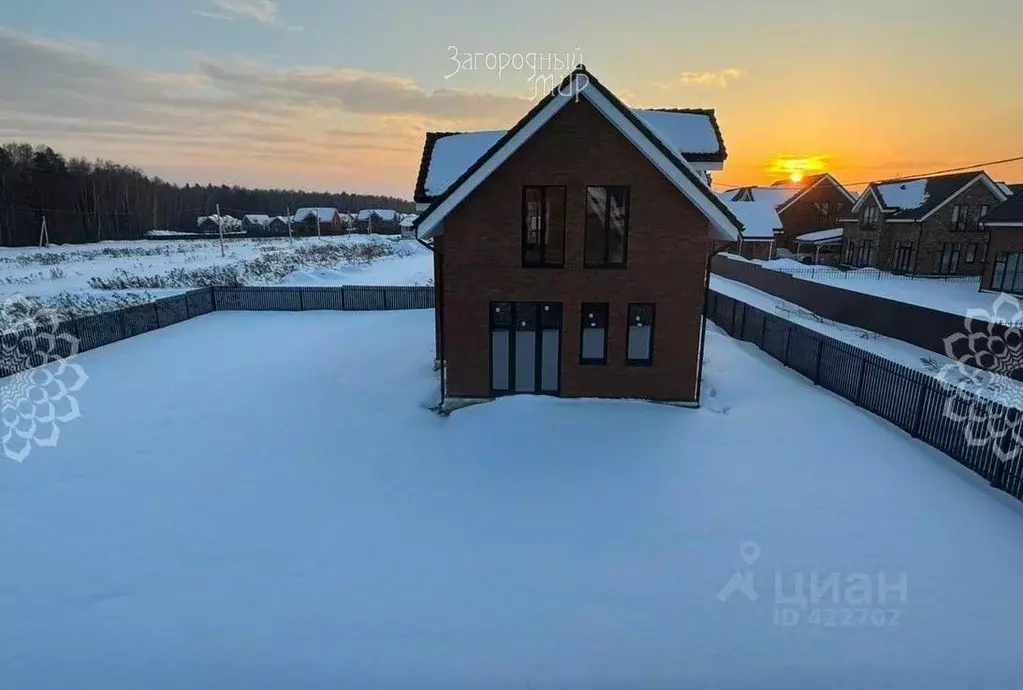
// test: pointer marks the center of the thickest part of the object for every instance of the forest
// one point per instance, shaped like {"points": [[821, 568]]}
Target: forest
{"points": [[89, 201]]}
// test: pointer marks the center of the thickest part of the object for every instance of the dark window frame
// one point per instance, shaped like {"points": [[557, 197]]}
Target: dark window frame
{"points": [[971, 253], [953, 252], [511, 327], [607, 226], [903, 257], [605, 307], [544, 230], [649, 360]]}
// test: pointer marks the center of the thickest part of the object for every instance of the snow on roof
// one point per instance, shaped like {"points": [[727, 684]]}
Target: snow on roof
{"points": [[903, 195], [683, 132], [1006, 189], [455, 154], [382, 213], [408, 220], [776, 196], [686, 132], [325, 215], [257, 218], [821, 236], [759, 219]]}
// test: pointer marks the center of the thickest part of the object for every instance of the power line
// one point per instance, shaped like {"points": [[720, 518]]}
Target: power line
{"points": [[889, 179]]}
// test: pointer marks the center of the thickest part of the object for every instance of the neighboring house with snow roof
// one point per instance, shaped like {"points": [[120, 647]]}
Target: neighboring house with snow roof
{"points": [[278, 225], [571, 258], [693, 133], [814, 203], [923, 226], [211, 224], [318, 220], [255, 222], [382, 221], [760, 226], [407, 225], [1003, 267]]}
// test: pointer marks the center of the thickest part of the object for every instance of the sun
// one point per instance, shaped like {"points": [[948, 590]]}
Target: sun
{"points": [[796, 177]]}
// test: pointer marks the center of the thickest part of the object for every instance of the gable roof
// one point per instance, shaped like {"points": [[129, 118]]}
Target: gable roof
{"points": [[759, 219], [381, 213], [811, 181], [916, 198], [257, 218], [325, 215], [581, 84], [692, 132], [1007, 213]]}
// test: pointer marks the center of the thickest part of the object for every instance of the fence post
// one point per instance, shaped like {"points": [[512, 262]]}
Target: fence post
{"points": [[385, 298], [817, 364], [188, 309], [918, 415], [344, 298], [859, 384], [763, 329], [998, 476], [156, 313], [788, 341], [301, 299], [213, 297]]}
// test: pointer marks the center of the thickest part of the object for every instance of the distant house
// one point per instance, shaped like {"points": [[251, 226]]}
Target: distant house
{"points": [[212, 224], [815, 203], [1003, 268], [760, 227], [323, 221], [278, 225], [571, 258], [407, 225], [922, 226], [255, 222], [379, 221], [825, 245]]}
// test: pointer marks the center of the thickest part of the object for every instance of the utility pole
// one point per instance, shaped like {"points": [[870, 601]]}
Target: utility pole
{"points": [[44, 234], [318, 224], [220, 231], [290, 241]]}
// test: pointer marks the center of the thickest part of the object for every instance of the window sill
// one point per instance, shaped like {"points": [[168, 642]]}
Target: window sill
{"points": [[592, 363], [604, 267], [543, 266], [639, 362]]}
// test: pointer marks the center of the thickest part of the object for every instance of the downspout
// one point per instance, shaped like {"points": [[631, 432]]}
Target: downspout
{"points": [[438, 297], [703, 325]]}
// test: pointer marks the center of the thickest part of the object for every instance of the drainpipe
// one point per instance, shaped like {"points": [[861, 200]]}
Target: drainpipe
{"points": [[438, 299], [703, 325]]}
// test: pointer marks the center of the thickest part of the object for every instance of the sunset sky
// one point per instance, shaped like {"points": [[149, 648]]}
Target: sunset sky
{"points": [[337, 95]]}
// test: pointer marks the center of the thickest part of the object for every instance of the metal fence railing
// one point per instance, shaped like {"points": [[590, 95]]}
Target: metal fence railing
{"points": [[96, 330], [912, 400]]}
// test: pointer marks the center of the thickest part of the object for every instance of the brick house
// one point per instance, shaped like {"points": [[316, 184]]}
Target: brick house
{"points": [[815, 203], [922, 226], [571, 257], [381, 221], [322, 221], [761, 227], [1003, 267]]}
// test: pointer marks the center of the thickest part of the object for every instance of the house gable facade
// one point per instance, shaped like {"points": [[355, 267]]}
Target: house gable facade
{"points": [[818, 206], [1003, 267], [924, 226], [537, 291]]}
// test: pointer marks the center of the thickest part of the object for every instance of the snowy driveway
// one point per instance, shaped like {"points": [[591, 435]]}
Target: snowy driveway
{"points": [[264, 501]]}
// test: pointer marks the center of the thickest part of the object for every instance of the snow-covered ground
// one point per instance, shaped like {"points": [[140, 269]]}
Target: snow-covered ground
{"points": [[955, 296], [295, 517], [85, 278]]}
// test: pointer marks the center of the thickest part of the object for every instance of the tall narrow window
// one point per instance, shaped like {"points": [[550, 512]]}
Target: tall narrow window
{"points": [[971, 253], [593, 345], [607, 226], [543, 226], [640, 346]]}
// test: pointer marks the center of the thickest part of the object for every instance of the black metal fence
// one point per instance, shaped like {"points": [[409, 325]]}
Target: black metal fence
{"points": [[26, 348], [912, 400], [828, 273]]}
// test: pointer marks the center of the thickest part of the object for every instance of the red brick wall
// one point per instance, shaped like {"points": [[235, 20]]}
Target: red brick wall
{"points": [[1009, 240], [802, 216], [667, 253], [928, 237]]}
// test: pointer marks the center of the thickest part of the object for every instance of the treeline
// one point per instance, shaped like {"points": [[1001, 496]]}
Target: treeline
{"points": [[88, 201]]}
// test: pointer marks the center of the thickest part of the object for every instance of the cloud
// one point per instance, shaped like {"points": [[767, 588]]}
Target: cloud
{"points": [[233, 120], [214, 15], [720, 78]]}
